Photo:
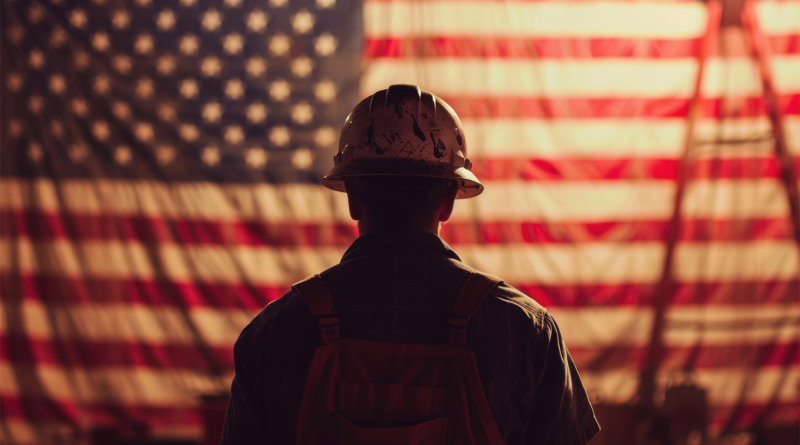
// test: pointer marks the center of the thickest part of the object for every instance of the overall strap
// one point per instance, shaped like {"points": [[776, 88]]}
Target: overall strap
{"points": [[473, 292], [319, 300]]}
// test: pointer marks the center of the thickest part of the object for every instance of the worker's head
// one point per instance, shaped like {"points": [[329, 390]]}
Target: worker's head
{"points": [[402, 153]]}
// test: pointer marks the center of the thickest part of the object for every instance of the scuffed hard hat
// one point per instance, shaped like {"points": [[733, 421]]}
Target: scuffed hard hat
{"points": [[405, 131]]}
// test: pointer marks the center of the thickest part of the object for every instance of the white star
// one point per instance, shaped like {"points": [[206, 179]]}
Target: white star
{"points": [[211, 66], [212, 19], [167, 112], [165, 19], [143, 3], [189, 44], [100, 2], [102, 84], [188, 132], [256, 66], [212, 111], [234, 134], [189, 88], [256, 113], [325, 44], [302, 66], [80, 107], [233, 3], [35, 152], [15, 128], [144, 88], [234, 89], [101, 41], [78, 152], [100, 130], [122, 155], [144, 131], [144, 44], [57, 128], [165, 65], [303, 21], [80, 60], [121, 110], [278, 3], [233, 43], [15, 81], [188, 3], [257, 20], [325, 136], [256, 157], [280, 44], [36, 59], [35, 13], [325, 90], [279, 135], [35, 104], [78, 18], [302, 158], [280, 90], [210, 156], [122, 64], [302, 113], [120, 19], [16, 33], [165, 154], [57, 83], [58, 37], [325, 4]]}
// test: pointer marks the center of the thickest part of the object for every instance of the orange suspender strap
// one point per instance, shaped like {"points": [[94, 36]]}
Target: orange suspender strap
{"points": [[473, 292], [319, 300]]}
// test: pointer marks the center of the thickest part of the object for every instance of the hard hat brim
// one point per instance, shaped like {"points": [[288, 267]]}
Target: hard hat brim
{"points": [[468, 185]]}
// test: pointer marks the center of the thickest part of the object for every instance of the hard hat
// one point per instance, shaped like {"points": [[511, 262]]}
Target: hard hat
{"points": [[405, 131]]}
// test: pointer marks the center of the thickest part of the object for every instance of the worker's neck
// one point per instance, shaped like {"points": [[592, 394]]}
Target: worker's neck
{"points": [[366, 227]]}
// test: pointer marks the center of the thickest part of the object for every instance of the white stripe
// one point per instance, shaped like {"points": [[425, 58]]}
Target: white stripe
{"points": [[534, 19], [550, 201], [126, 322], [549, 264], [724, 386], [619, 138], [593, 78], [590, 201], [122, 385], [779, 17]]}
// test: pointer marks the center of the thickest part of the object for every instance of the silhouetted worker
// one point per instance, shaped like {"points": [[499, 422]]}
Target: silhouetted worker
{"points": [[401, 342]]}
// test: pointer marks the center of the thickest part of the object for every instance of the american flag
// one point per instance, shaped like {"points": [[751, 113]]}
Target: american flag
{"points": [[160, 169]]}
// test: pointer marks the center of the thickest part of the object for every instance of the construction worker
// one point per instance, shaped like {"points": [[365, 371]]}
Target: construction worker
{"points": [[401, 342]]}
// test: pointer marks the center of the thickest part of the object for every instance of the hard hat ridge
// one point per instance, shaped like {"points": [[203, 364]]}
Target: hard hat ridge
{"points": [[403, 131]]}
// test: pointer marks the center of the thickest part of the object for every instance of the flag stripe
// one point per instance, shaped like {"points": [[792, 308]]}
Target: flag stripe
{"points": [[548, 264], [88, 290], [78, 227], [594, 78], [511, 200], [526, 48]]}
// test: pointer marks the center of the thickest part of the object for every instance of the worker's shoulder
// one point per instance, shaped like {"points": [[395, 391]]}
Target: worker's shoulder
{"points": [[514, 302], [286, 312]]}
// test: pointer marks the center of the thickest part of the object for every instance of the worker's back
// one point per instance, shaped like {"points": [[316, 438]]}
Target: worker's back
{"points": [[400, 287]]}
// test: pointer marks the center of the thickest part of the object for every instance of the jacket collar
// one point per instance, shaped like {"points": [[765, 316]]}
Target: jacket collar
{"points": [[373, 242]]}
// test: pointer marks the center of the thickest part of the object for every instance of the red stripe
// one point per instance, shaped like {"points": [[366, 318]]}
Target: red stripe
{"points": [[531, 48], [128, 419], [751, 414], [577, 108], [63, 290], [22, 350], [497, 168], [597, 359], [153, 230]]}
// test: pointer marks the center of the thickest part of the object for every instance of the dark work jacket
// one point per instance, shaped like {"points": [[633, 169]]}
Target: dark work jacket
{"points": [[400, 287]]}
